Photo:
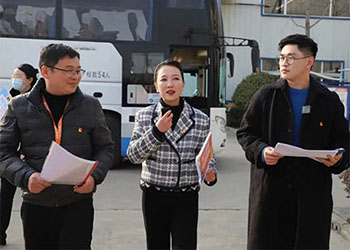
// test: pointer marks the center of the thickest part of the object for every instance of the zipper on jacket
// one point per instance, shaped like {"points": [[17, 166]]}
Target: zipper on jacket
{"points": [[56, 197]]}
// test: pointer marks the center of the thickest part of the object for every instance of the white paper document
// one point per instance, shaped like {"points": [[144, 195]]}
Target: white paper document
{"points": [[4, 99], [290, 150], [62, 167], [3, 105]]}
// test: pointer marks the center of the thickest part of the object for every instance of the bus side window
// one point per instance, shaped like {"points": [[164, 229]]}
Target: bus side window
{"points": [[5, 27], [9, 16], [41, 24], [84, 31], [28, 19], [133, 24], [96, 28]]}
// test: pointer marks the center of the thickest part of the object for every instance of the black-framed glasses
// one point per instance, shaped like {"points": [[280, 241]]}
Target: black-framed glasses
{"points": [[290, 59], [70, 72]]}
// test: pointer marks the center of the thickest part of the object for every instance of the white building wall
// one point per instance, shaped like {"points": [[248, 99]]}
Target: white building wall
{"points": [[332, 36]]}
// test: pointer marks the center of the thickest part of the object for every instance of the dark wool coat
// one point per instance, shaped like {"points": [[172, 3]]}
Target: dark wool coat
{"points": [[290, 203]]}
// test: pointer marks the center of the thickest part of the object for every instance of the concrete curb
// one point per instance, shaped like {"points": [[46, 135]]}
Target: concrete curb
{"points": [[341, 221]]}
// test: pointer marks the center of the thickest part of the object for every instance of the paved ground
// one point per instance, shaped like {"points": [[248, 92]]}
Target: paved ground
{"points": [[222, 217]]}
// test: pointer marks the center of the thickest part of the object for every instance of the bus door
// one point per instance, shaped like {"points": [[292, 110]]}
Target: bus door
{"points": [[139, 63], [198, 88], [195, 66]]}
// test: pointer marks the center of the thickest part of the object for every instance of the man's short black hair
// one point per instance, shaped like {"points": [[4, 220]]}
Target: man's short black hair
{"points": [[51, 54], [305, 44], [168, 62]]}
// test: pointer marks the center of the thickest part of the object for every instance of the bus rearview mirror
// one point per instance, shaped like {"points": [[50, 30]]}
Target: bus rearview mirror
{"points": [[231, 64]]}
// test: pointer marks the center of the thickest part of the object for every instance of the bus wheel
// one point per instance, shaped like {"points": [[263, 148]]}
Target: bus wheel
{"points": [[113, 122]]}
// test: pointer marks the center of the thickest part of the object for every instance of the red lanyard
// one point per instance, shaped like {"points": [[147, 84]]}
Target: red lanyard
{"points": [[58, 128]]}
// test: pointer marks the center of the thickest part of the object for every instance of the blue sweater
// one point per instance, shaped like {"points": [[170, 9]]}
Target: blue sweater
{"points": [[298, 99]]}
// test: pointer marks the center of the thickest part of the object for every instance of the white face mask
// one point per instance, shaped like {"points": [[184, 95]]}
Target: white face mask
{"points": [[17, 84]]}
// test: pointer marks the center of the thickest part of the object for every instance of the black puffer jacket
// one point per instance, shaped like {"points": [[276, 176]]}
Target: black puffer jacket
{"points": [[27, 123]]}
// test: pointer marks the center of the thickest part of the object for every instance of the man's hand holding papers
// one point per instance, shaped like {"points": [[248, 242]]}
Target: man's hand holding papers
{"points": [[331, 161], [36, 184], [87, 187], [271, 157], [327, 157]]}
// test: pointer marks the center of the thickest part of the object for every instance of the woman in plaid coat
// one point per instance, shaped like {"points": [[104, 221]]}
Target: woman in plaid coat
{"points": [[166, 139]]}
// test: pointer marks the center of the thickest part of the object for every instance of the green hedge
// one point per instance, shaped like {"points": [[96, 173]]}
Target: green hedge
{"points": [[247, 88], [234, 116], [243, 93]]}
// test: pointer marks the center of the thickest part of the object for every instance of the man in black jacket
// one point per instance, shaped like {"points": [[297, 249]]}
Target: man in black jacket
{"points": [[55, 216], [290, 200]]}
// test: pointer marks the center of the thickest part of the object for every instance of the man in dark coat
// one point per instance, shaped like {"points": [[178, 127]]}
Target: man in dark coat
{"points": [[55, 216], [290, 200]]}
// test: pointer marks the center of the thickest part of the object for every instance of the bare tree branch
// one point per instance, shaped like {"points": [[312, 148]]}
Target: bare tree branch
{"points": [[299, 25], [307, 17], [319, 20], [307, 25]]}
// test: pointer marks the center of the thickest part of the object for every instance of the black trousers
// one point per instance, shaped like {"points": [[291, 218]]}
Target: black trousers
{"points": [[65, 227], [170, 217], [7, 192]]}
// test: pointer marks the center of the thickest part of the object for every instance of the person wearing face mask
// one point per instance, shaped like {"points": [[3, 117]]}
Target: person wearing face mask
{"points": [[23, 79], [166, 139]]}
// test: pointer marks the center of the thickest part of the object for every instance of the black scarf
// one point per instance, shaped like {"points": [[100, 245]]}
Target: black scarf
{"points": [[175, 110], [56, 104]]}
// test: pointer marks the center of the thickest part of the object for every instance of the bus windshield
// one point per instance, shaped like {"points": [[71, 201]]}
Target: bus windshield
{"points": [[114, 20], [131, 20]]}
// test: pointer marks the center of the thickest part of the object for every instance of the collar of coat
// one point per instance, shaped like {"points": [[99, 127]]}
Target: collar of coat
{"points": [[35, 96], [314, 86], [185, 123]]}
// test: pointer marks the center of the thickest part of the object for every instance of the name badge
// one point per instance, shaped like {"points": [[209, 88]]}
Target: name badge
{"points": [[306, 109]]}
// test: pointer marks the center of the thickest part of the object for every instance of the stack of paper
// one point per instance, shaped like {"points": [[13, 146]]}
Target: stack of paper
{"points": [[62, 167], [290, 150]]}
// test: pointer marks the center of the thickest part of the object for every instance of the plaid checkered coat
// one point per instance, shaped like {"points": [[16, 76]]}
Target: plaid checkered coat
{"points": [[170, 163]]}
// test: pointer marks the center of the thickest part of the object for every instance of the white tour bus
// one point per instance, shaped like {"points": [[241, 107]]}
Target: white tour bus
{"points": [[120, 43]]}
